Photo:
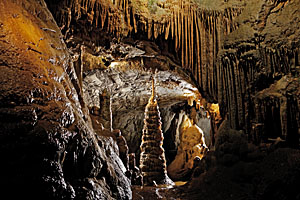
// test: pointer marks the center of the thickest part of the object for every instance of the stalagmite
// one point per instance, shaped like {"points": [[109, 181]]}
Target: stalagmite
{"points": [[152, 158], [105, 112]]}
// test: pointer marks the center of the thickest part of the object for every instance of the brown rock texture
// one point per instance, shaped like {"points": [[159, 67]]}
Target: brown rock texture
{"points": [[47, 145], [232, 49], [242, 54], [193, 31], [152, 157], [280, 102], [105, 113], [192, 145], [263, 50]]}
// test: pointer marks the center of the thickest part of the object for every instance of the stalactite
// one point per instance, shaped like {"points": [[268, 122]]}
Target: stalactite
{"points": [[197, 72], [183, 40], [172, 24], [176, 32], [167, 30], [192, 42], [149, 28], [186, 41]]}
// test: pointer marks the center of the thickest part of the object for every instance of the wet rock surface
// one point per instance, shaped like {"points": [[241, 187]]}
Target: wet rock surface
{"points": [[48, 146]]}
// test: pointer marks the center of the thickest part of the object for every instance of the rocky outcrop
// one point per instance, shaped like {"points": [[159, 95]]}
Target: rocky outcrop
{"points": [[47, 142]]}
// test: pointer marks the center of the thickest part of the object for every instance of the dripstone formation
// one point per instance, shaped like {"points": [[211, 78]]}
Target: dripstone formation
{"points": [[152, 158]]}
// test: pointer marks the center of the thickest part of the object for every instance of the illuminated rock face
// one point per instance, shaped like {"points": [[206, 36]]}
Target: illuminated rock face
{"points": [[48, 147], [192, 145], [152, 158]]}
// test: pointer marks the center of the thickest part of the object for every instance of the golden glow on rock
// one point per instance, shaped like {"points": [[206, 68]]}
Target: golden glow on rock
{"points": [[194, 96], [213, 109], [192, 145]]}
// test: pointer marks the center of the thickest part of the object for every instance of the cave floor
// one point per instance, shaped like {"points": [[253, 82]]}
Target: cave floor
{"points": [[156, 192]]}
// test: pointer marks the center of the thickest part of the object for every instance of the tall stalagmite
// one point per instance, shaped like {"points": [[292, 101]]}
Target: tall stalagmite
{"points": [[152, 158]]}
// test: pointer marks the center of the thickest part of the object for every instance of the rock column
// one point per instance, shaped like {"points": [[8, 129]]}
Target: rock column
{"points": [[152, 158], [105, 112]]}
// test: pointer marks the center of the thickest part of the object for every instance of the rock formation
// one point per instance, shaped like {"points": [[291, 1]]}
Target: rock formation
{"points": [[267, 51], [48, 145], [152, 158], [220, 43], [115, 134], [192, 145], [105, 112], [135, 173], [242, 55]]}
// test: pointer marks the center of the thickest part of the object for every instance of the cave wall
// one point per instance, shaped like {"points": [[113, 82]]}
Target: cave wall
{"points": [[260, 53], [47, 146], [243, 55]]}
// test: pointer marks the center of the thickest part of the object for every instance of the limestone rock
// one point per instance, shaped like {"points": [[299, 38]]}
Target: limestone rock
{"points": [[192, 145], [231, 145], [47, 143], [152, 157], [135, 173], [105, 112], [278, 102]]}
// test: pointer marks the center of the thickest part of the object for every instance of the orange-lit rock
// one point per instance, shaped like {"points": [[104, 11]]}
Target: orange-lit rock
{"points": [[192, 144], [48, 145]]}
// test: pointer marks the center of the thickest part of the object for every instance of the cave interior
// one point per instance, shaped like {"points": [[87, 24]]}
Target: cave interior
{"points": [[150, 99]]}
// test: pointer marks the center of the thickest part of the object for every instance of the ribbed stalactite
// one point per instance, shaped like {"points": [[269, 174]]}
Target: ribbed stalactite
{"points": [[197, 35], [248, 71], [102, 15]]}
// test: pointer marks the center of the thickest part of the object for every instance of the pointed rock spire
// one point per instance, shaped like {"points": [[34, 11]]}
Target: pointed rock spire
{"points": [[152, 158], [152, 98]]}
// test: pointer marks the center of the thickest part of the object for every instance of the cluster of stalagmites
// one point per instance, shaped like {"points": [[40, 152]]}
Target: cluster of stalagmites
{"points": [[152, 157], [102, 124]]}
